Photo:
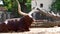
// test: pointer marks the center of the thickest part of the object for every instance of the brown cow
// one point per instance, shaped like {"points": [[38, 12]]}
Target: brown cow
{"points": [[22, 25]]}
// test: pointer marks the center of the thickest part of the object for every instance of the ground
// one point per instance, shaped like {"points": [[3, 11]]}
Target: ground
{"points": [[54, 30]]}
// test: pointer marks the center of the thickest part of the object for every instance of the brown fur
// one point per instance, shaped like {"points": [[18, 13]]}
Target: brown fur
{"points": [[3, 27], [22, 25], [25, 22]]}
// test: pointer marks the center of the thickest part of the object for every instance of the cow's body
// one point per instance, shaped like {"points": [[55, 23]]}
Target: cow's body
{"points": [[25, 22], [3, 27], [22, 25]]}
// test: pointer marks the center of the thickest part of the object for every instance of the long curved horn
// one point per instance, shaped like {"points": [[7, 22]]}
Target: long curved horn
{"points": [[19, 9]]}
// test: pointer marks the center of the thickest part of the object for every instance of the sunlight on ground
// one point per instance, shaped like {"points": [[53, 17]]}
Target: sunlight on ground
{"points": [[55, 30]]}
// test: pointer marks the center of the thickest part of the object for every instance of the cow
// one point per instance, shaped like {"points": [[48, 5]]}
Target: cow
{"points": [[20, 25]]}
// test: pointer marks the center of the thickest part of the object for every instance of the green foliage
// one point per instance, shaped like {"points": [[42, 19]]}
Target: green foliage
{"points": [[7, 4], [28, 4], [11, 5], [25, 5], [55, 6]]}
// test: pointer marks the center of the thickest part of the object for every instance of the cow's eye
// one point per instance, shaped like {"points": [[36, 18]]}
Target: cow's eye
{"points": [[38, 9]]}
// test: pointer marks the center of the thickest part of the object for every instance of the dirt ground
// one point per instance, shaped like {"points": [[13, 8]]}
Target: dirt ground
{"points": [[54, 30]]}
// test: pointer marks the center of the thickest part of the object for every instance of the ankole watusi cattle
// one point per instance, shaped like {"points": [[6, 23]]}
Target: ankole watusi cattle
{"points": [[20, 25]]}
